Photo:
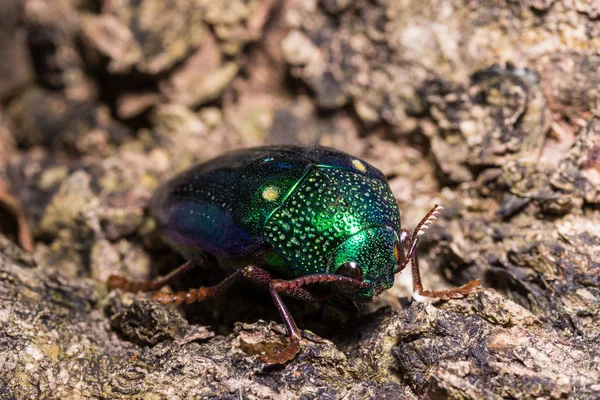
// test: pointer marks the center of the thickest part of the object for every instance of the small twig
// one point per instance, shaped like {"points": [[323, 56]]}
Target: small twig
{"points": [[13, 206]]}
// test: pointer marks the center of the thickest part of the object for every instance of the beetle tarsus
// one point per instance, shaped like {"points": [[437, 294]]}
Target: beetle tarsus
{"points": [[199, 294], [120, 282], [284, 355], [454, 293]]}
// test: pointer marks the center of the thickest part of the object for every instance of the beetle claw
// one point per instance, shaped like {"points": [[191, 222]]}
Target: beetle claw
{"points": [[283, 355]]}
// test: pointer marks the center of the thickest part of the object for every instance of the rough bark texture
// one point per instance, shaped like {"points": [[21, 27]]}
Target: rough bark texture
{"points": [[491, 108]]}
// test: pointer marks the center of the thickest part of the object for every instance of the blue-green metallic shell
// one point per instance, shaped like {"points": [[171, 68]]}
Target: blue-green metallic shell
{"points": [[329, 206], [289, 208], [217, 207]]}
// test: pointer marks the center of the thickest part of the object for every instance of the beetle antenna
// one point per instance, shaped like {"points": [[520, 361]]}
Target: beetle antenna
{"points": [[427, 221], [419, 231]]}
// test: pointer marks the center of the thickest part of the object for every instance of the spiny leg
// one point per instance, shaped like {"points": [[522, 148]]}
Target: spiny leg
{"points": [[293, 347], [120, 282], [411, 256], [200, 294], [262, 278], [453, 293], [293, 288]]}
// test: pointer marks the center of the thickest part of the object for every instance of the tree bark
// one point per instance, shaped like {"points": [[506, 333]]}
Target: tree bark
{"points": [[490, 108]]}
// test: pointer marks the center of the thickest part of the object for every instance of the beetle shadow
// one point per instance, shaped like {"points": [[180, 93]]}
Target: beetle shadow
{"points": [[247, 303]]}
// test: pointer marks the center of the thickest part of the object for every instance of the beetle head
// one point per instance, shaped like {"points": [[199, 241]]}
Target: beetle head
{"points": [[371, 256]]}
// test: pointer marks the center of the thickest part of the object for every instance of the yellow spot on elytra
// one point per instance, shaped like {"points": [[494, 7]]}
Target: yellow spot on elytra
{"points": [[271, 193], [359, 165]]}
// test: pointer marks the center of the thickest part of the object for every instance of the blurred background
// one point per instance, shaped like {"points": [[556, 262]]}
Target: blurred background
{"points": [[490, 108]]}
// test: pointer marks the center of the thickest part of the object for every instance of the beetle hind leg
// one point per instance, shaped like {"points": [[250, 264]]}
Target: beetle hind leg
{"points": [[120, 282], [200, 294]]}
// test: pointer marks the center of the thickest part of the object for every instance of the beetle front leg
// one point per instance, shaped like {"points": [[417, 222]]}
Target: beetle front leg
{"points": [[411, 256], [453, 293]]}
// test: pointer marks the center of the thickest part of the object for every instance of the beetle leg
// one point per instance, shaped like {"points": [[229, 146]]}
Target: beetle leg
{"points": [[282, 285], [200, 294], [453, 293], [302, 293], [293, 347], [411, 256], [293, 288], [120, 282], [262, 278]]}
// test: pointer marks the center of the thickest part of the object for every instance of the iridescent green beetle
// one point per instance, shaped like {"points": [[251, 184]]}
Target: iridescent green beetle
{"points": [[288, 218]]}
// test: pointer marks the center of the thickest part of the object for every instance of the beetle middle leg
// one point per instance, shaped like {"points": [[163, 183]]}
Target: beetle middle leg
{"points": [[293, 288], [411, 256]]}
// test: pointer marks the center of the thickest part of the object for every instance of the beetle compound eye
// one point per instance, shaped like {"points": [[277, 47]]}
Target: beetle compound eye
{"points": [[350, 270]]}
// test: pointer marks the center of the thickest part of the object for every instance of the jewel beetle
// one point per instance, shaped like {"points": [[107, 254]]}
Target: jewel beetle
{"points": [[290, 219]]}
